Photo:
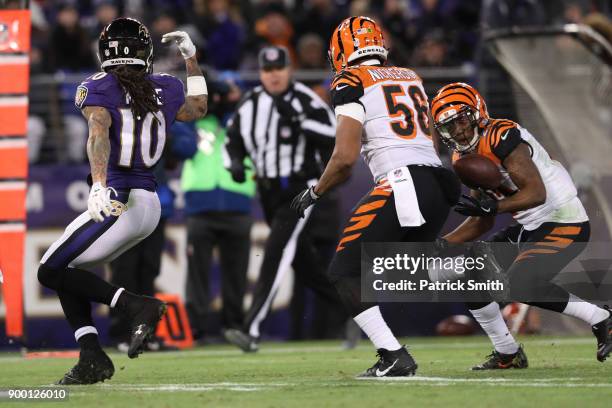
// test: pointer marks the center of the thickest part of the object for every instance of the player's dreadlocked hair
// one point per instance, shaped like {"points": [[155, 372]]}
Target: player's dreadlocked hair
{"points": [[143, 98]]}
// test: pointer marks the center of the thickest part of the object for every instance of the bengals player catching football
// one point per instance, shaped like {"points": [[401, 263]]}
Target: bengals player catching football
{"points": [[551, 225]]}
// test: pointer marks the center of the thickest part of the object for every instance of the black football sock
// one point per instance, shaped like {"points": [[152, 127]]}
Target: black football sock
{"points": [[89, 342], [76, 309], [78, 314], [87, 285], [349, 290]]}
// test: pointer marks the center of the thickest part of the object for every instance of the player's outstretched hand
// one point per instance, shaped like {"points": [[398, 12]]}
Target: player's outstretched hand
{"points": [[99, 201], [183, 41], [304, 200], [473, 207]]}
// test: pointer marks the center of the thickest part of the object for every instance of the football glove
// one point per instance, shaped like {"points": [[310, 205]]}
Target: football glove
{"points": [[184, 43], [304, 200], [237, 170], [99, 201], [477, 207]]}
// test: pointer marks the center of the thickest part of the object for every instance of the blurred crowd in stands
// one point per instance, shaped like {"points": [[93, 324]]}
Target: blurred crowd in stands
{"points": [[229, 33]]}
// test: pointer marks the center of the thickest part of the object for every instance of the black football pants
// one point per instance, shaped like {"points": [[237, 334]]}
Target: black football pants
{"points": [[374, 219], [538, 257]]}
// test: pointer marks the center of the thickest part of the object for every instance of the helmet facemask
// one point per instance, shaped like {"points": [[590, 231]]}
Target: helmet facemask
{"points": [[448, 122], [330, 59]]}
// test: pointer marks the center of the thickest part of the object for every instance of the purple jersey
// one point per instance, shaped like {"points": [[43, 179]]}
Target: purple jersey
{"points": [[136, 144]]}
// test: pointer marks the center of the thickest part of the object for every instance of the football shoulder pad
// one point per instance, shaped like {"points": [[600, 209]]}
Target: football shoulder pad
{"points": [[346, 87], [502, 137]]}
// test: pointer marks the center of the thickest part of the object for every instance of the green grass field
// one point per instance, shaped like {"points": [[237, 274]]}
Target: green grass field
{"points": [[563, 373]]}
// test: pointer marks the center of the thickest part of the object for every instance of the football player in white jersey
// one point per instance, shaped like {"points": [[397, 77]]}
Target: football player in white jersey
{"points": [[382, 111], [551, 226]]}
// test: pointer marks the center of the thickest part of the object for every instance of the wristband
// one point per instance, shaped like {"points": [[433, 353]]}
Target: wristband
{"points": [[196, 85], [313, 195]]}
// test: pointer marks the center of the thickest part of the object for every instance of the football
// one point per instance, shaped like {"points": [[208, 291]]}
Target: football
{"points": [[457, 325], [477, 171]]}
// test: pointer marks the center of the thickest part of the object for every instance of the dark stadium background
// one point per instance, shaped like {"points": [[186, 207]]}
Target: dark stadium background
{"points": [[440, 39]]}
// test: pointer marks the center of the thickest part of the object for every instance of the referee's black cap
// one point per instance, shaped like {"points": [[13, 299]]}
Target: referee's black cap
{"points": [[273, 57]]}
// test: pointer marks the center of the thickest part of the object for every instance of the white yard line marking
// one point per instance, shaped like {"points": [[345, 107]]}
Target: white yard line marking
{"points": [[510, 382], [198, 387], [218, 384], [390, 381], [418, 378]]}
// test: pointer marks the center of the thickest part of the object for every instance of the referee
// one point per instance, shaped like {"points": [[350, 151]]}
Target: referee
{"points": [[288, 132]]}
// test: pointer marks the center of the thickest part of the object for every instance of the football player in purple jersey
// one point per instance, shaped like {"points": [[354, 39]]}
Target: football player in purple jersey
{"points": [[129, 111]]}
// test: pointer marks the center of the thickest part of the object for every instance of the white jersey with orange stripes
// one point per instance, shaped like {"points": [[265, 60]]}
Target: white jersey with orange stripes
{"points": [[392, 105]]}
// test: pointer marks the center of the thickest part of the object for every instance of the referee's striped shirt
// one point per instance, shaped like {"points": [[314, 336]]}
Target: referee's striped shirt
{"points": [[278, 145]]}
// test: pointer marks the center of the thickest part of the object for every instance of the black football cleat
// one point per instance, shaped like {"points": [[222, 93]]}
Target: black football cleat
{"points": [[244, 341], [603, 333], [146, 312], [398, 363], [92, 367], [499, 361]]}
